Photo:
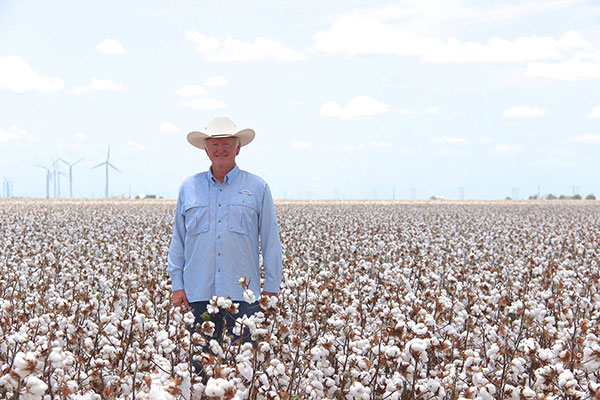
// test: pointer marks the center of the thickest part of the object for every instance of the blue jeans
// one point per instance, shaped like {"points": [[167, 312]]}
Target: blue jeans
{"points": [[224, 319]]}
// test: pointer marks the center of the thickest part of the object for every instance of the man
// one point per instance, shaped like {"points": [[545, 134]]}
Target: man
{"points": [[220, 215]]}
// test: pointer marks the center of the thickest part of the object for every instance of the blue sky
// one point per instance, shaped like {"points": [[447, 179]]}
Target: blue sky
{"points": [[349, 99]]}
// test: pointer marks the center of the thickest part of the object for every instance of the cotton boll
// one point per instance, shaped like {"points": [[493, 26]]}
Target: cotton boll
{"points": [[34, 388], [264, 347], [25, 364], [358, 392], [56, 357], [249, 296], [567, 381], [392, 352], [527, 393], [245, 369], [216, 348], [419, 329], [545, 355], [188, 318]]}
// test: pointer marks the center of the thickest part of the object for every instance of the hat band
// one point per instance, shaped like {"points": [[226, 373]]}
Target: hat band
{"points": [[223, 134]]}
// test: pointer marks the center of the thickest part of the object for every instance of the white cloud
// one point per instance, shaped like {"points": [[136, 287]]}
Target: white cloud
{"points": [[204, 103], [355, 34], [300, 145], [506, 149], [231, 49], [191, 91], [360, 106], [451, 140], [496, 50], [168, 127], [448, 152], [13, 134], [110, 46], [389, 31], [429, 15], [82, 137], [431, 110], [97, 85], [524, 112], [138, 147], [18, 77], [595, 112], [380, 144], [573, 41], [406, 111], [587, 138], [215, 81], [571, 70]]}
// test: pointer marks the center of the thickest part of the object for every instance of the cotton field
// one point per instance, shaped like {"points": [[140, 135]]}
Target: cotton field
{"points": [[404, 300]]}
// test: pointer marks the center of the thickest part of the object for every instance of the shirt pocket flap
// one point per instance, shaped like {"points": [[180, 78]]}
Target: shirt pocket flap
{"points": [[243, 199], [197, 217], [242, 213]]}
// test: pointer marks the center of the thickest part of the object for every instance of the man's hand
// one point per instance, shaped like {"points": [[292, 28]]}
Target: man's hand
{"points": [[272, 294], [178, 298]]}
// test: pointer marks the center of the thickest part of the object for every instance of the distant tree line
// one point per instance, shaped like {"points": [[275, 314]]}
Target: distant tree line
{"points": [[561, 197]]}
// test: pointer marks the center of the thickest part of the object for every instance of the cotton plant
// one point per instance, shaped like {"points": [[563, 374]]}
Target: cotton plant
{"points": [[378, 300]]}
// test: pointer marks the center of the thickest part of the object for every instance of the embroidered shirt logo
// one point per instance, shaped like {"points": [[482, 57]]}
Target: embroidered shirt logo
{"points": [[246, 191]]}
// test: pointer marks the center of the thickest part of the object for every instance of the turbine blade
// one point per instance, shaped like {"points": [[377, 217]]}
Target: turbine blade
{"points": [[99, 165], [81, 159], [117, 169]]}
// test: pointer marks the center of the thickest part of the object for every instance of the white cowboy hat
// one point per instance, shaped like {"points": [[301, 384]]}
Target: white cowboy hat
{"points": [[220, 127]]}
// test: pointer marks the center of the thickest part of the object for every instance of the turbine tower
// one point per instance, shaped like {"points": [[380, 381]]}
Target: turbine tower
{"points": [[7, 185], [107, 164], [70, 175], [48, 179]]}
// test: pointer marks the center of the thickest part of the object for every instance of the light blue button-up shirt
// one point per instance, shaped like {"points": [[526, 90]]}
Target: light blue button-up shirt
{"points": [[216, 237]]}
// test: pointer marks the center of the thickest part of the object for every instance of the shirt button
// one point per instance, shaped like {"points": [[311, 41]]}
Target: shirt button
{"points": [[220, 190], [219, 220], [219, 270], [219, 204], [219, 237], [218, 254]]}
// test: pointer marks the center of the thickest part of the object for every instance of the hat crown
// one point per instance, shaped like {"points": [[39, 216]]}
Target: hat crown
{"points": [[220, 126]]}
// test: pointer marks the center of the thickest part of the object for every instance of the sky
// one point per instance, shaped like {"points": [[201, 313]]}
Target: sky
{"points": [[349, 99]]}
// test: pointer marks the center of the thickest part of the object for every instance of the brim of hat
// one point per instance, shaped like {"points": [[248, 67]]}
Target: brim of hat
{"points": [[198, 139]]}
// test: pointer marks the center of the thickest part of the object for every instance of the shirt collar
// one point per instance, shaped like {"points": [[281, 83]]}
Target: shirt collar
{"points": [[229, 178]]}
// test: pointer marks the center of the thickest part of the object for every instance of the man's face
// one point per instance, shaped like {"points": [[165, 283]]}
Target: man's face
{"points": [[222, 151]]}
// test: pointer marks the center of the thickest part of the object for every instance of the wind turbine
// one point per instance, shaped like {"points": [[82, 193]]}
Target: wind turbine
{"points": [[57, 173], [7, 186], [70, 175], [108, 164], [48, 178]]}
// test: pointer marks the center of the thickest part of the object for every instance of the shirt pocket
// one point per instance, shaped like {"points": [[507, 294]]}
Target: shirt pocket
{"points": [[243, 214], [197, 218]]}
